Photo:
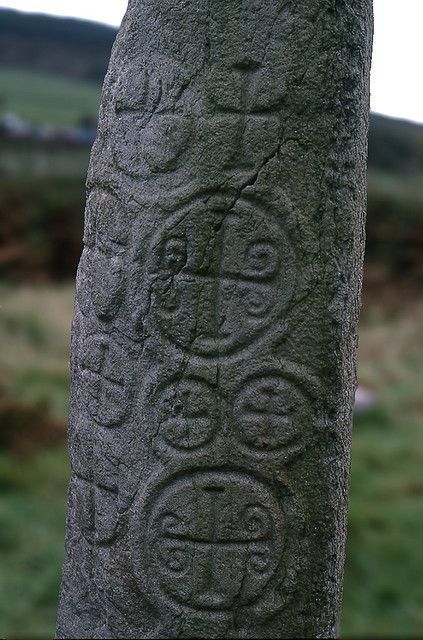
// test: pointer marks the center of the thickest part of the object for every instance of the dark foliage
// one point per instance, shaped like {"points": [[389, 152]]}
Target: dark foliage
{"points": [[395, 145], [26, 428], [40, 227], [395, 225]]}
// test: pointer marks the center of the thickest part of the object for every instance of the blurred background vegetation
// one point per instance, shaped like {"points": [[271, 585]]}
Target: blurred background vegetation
{"points": [[49, 93]]}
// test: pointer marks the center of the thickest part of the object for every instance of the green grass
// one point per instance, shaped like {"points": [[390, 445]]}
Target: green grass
{"points": [[42, 98], [34, 334], [383, 586], [32, 513], [383, 593]]}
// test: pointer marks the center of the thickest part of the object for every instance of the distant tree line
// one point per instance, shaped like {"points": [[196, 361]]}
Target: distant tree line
{"points": [[395, 145], [68, 46]]}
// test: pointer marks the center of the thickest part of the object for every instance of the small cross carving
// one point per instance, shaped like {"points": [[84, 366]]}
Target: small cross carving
{"points": [[246, 111], [96, 485], [98, 510], [104, 382]]}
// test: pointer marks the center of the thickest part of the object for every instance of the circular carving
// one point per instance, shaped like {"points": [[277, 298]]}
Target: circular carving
{"points": [[151, 135], [154, 147], [187, 413], [212, 540], [220, 276], [267, 411]]}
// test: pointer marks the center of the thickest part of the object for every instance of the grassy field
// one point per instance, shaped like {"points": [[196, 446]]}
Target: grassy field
{"points": [[383, 587], [34, 334], [41, 98], [383, 594]]}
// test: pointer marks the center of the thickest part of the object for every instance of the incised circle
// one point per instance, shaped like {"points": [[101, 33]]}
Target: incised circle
{"points": [[212, 540], [220, 276]]}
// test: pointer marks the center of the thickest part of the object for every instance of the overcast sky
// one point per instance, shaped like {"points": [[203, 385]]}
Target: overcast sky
{"points": [[397, 87]]}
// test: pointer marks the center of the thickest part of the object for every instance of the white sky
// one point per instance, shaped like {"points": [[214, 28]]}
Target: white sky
{"points": [[397, 88]]}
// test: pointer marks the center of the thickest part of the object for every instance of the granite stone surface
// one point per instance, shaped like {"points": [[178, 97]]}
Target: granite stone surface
{"points": [[214, 337]]}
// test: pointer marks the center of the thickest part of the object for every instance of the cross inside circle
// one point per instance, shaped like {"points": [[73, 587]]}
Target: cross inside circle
{"points": [[219, 276], [212, 540]]}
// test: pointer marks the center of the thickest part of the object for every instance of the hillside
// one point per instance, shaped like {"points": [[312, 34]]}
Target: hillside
{"points": [[395, 145], [75, 48], [45, 98]]}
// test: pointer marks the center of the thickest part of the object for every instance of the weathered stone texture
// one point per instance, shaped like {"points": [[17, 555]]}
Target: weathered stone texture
{"points": [[213, 350]]}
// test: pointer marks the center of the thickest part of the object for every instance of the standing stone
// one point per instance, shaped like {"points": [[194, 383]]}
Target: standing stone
{"points": [[213, 352]]}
